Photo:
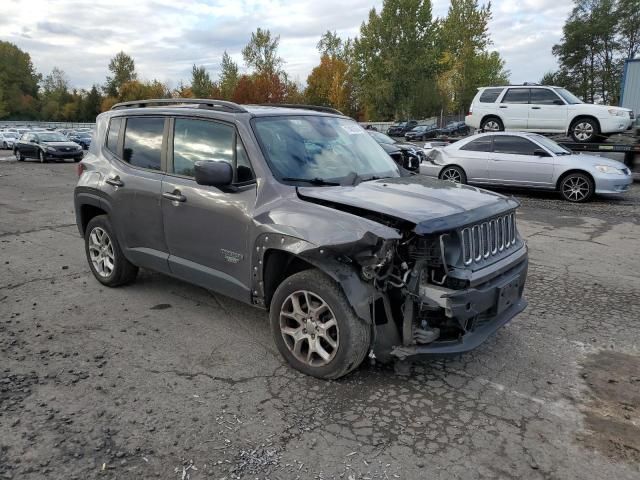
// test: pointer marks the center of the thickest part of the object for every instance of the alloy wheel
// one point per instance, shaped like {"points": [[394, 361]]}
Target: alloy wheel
{"points": [[492, 126], [575, 189], [41, 155], [309, 328], [452, 175], [101, 252], [583, 131]]}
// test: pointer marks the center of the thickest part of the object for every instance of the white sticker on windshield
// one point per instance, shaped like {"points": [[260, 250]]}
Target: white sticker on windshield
{"points": [[352, 128]]}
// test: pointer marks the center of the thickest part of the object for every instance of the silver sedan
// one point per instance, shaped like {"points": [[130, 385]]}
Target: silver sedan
{"points": [[527, 160]]}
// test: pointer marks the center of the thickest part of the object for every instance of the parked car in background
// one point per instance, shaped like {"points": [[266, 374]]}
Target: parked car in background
{"points": [[544, 109], [7, 140], [527, 160], [398, 129], [299, 212], [421, 132], [455, 128], [81, 138], [407, 155], [46, 146]]}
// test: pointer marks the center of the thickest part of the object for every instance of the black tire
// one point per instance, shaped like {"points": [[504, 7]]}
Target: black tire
{"points": [[123, 271], [42, 157], [492, 124], [584, 130], [5, 146], [353, 334], [18, 155], [453, 173], [577, 187]]}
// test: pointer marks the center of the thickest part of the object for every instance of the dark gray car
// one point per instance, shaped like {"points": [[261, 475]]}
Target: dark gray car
{"points": [[299, 212]]}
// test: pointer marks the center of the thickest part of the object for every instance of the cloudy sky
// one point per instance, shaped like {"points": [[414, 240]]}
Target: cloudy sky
{"points": [[166, 37]]}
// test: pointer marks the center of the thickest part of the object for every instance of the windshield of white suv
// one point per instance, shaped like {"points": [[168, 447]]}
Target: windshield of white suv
{"points": [[569, 97], [51, 137], [549, 144], [321, 150]]}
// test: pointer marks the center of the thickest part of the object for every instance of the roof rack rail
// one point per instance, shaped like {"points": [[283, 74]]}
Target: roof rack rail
{"points": [[206, 103], [316, 108]]}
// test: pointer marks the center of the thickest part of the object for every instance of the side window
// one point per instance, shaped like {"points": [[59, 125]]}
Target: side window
{"points": [[482, 144], [516, 95], [202, 140], [514, 145], [490, 95], [542, 96], [143, 142], [112, 136]]}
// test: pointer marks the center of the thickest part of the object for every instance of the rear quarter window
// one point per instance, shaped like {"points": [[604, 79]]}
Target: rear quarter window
{"points": [[490, 95]]}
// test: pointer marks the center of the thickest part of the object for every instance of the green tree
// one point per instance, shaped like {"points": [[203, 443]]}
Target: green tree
{"points": [[465, 62], [261, 53], [201, 84], [123, 70], [18, 83], [229, 77], [55, 96], [394, 60], [628, 14], [91, 105]]}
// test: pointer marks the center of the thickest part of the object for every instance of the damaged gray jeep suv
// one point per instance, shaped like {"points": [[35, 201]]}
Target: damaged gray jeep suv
{"points": [[298, 211]]}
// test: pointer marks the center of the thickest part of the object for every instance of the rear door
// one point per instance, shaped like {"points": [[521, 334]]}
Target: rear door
{"points": [[137, 147], [207, 228], [513, 162], [473, 158], [514, 108], [547, 111]]}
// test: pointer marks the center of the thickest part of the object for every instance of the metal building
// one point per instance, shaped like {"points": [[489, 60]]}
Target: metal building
{"points": [[630, 92]]}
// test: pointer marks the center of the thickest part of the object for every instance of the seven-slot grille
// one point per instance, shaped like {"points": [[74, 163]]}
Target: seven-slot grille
{"points": [[487, 239]]}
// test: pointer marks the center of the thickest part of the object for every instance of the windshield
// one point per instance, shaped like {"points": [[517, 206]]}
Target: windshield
{"points": [[51, 137], [317, 147], [382, 138], [10, 134], [569, 97], [549, 144]]}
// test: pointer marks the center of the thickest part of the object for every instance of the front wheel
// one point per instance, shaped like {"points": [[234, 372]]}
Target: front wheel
{"points": [[453, 174], [18, 155], [42, 157], [584, 130], [577, 187], [315, 328], [105, 257], [5, 146]]}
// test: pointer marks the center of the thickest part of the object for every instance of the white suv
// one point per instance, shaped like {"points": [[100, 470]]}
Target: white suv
{"points": [[543, 109]]}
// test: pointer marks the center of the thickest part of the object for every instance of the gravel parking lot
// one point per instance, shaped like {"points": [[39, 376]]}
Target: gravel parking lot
{"points": [[163, 379]]}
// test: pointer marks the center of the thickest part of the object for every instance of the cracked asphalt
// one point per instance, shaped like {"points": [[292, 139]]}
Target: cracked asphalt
{"points": [[162, 379]]}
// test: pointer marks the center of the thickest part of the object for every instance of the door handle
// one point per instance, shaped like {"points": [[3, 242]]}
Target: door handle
{"points": [[176, 196], [535, 108], [115, 181], [503, 106]]}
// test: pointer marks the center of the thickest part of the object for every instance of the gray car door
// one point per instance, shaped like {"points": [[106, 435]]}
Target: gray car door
{"points": [[207, 228], [473, 158], [134, 185], [513, 162]]}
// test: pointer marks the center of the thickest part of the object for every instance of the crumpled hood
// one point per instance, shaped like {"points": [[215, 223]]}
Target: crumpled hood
{"points": [[432, 205]]}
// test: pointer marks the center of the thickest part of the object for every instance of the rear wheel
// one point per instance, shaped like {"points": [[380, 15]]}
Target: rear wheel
{"points": [[453, 174], [105, 257], [584, 130], [491, 124], [577, 187], [315, 328]]}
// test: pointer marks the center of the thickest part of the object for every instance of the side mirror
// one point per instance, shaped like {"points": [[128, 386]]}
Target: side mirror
{"points": [[557, 101], [214, 173], [541, 153]]}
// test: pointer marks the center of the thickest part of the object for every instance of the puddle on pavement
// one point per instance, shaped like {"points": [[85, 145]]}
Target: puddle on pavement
{"points": [[612, 405]]}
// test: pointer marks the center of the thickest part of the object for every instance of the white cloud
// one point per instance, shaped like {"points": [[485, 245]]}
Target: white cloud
{"points": [[166, 37]]}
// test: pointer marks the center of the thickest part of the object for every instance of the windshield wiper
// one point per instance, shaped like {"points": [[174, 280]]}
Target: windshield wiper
{"points": [[312, 181], [358, 179]]}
